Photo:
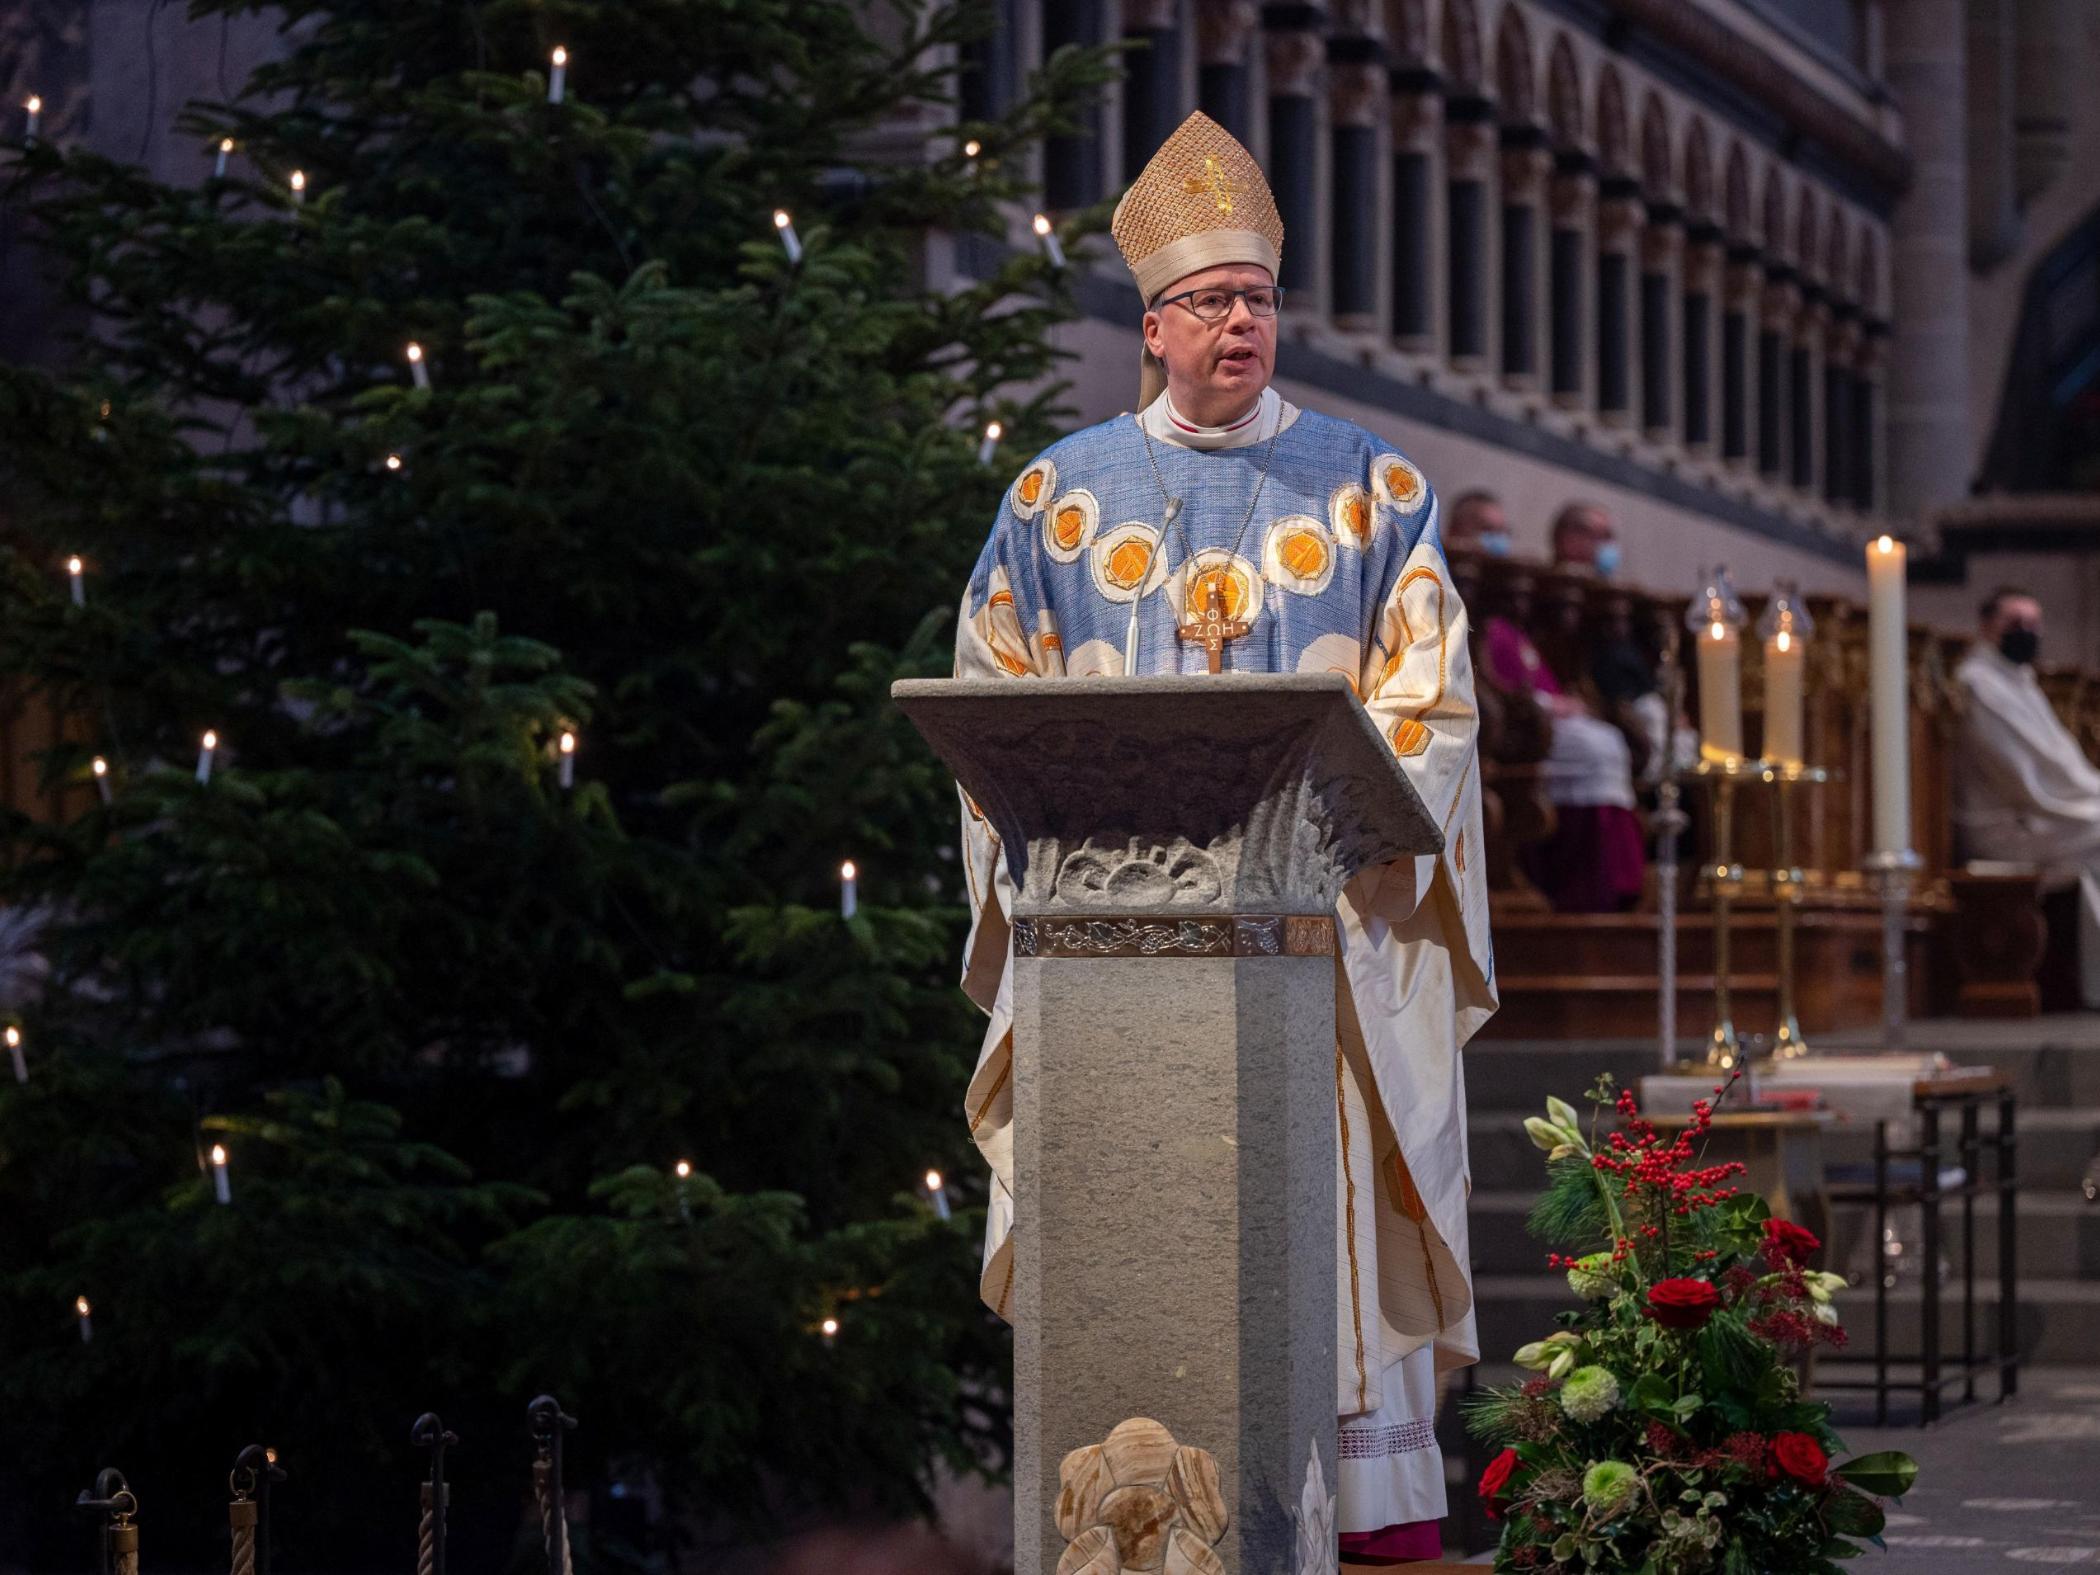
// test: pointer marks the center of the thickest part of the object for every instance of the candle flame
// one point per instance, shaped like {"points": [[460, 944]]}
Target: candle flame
{"points": [[211, 739], [780, 219], [270, 1455], [1719, 630], [218, 1155], [226, 144], [80, 1305], [1783, 641], [101, 767], [972, 148], [14, 1036], [1042, 225], [73, 566], [830, 1327], [298, 180], [561, 55], [933, 1181], [393, 462], [848, 870], [568, 743], [35, 105], [414, 351], [683, 1169], [1885, 544], [992, 430]]}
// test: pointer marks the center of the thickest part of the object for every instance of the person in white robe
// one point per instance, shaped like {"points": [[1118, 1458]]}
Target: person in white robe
{"points": [[2024, 792], [1344, 573]]}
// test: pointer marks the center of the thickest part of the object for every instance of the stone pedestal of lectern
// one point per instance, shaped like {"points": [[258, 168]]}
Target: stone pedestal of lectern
{"points": [[1178, 845]]}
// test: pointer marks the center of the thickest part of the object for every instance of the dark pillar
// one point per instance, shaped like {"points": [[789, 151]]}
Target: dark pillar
{"points": [[1655, 346], [1735, 361], [1564, 257], [1519, 288], [985, 85], [1837, 432], [1801, 397], [1356, 89], [1466, 200], [1702, 265], [1151, 92], [1224, 81], [1617, 223], [1072, 161], [1294, 58], [1413, 263], [1863, 441]]}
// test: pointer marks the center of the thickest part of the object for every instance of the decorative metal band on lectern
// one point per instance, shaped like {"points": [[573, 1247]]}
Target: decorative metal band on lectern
{"points": [[1169, 935]]}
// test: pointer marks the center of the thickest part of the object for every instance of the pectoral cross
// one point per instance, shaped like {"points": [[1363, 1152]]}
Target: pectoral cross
{"points": [[1211, 626]]}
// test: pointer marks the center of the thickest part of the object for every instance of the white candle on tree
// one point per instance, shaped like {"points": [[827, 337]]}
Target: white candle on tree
{"points": [[1046, 233], [218, 165], [298, 185], [558, 77], [1786, 628], [204, 755], [14, 1052], [393, 463], [829, 1328], [32, 117], [1888, 686], [849, 889], [221, 1184], [990, 445], [81, 1310], [417, 369], [77, 572], [101, 769], [788, 238], [568, 759], [937, 1190]]}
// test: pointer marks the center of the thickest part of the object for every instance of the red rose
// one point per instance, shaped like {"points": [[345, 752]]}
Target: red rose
{"points": [[1786, 1242], [1494, 1480], [1682, 1304], [1802, 1458]]}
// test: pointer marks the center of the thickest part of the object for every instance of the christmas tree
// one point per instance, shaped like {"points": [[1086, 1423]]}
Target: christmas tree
{"points": [[535, 1063]]}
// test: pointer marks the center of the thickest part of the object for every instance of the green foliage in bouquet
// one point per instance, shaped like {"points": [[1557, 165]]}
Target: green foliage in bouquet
{"points": [[1665, 1432]]}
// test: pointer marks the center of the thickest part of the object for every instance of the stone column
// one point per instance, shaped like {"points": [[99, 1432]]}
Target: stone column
{"points": [[1151, 81], [1469, 165], [1802, 356], [1738, 368], [1618, 238], [1418, 207], [986, 86], [1660, 244], [1294, 56], [1928, 367], [1525, 163], [1356, 95], [1867, 490], [1178, 847], [1224, 43], [1073, 173], [1841, 341], [1702, 284], [1782, 300], [1574, 191]]}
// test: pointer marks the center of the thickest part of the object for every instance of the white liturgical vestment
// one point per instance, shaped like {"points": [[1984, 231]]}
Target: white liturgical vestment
{"points": [[1342, 571], [2025, 793]]}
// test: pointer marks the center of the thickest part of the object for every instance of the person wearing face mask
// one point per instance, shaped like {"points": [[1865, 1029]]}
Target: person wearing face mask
{"points": [[1477, 524], [2024, 792]]}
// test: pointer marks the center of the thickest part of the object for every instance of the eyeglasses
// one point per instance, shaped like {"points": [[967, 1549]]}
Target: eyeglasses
{"points": [[1215, 305]]}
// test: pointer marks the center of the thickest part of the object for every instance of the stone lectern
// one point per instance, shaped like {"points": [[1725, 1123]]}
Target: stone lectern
{"points": [[1177, 845]]}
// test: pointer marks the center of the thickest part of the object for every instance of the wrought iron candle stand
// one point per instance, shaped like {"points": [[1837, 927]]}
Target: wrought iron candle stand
{"points": [[1724, 1050], [1787, 1042]]}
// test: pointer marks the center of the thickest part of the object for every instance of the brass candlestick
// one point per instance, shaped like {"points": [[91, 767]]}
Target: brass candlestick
{"points": [[1724, 1049], [1787, 1042]]}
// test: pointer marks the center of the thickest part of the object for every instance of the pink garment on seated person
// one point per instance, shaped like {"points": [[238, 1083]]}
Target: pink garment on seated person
{"points": [[1420, 1541]]}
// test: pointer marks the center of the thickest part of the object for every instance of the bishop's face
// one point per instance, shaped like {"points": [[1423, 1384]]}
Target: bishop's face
{"points": [[1216, 367]]}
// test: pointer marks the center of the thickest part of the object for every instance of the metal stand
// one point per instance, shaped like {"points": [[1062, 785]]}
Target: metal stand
{"points": [[1670, 821], [1787, 1042], [1894, 874], [1724, 1051]]}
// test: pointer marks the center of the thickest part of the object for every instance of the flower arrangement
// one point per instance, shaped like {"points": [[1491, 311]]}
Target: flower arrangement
{"points": [[1664, 1432]]}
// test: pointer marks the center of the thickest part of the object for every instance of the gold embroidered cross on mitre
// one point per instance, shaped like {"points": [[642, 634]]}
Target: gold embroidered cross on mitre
{"points": [[1211, 628]]}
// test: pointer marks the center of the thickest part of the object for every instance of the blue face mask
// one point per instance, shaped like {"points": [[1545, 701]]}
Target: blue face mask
{"points": [[1607, 559], [1495, 543]]}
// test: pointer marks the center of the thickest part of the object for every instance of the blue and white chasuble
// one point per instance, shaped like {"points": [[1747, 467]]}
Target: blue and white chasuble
{"points": [[1338, 569]]}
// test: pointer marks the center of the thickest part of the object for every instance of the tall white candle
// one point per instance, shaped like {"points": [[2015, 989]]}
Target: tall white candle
{"points": [[204, 755], [298, 184], [81, 1309], [1889, 688], [990, 445], [102, 778], [221, 1186], [568, 760], [788, 238], [849, 889], [417, 369], [78, 572], [218, 165], [14, 1052], [1785, 665], [32, 117], [937, 1190], [1047, 234], [558, 77], [1721, 692]]}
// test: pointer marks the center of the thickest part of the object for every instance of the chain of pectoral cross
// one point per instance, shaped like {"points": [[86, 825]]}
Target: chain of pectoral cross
{"points": [[1208, 626]]}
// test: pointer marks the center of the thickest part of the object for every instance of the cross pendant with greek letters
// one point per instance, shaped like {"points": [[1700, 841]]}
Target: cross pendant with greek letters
{"points": [[1211, 627]]}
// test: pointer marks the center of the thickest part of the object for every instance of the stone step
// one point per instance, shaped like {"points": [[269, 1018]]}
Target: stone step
{"points": [[2056, 1146], [2058, 1320], [2058, 1235]]}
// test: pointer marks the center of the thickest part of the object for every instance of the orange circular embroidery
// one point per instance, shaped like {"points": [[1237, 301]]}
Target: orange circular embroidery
{"points": [[1031, 487], [1410, 738], [1304, 554], [1232, 591], [1356, 515], [1070, 526], [1128, 563]]}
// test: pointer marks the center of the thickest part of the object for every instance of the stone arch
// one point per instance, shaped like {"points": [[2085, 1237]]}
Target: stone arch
{"points": [[1515, 84], [1735, 194], [1699, 172], [1564, 96], [1460, 41], [1614, 132], [1655, 148]]}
